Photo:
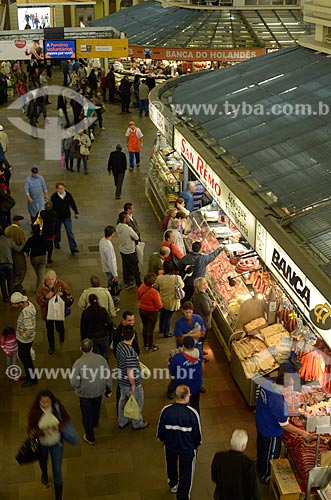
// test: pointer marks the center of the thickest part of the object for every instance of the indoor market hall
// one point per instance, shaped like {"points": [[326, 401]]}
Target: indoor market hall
{"points": [[122, 465]]}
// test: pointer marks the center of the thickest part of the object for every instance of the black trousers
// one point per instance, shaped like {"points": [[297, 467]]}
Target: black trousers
{"points": [[268, 448], [118, 178], [59, 325], [195, 401], [130, 268], [24, 353], [90, 409], [148, 319], [180, 470]]}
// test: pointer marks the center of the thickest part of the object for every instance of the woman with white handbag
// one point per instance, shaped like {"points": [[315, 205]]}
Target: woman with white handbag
{"points": [[50, 296]]}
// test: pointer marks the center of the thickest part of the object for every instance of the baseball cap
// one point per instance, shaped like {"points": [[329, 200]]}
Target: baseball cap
{"points": [[18, 297], [132, 123], [188, 342], [1, 128], [17, 217], [34, 170]]}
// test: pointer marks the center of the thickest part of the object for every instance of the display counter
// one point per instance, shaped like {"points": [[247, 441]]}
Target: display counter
{"points": [[164, 176]]}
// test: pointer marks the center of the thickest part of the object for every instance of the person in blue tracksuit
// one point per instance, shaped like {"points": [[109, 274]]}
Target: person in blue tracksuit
{"points": [[271, 421], [179, 430]]}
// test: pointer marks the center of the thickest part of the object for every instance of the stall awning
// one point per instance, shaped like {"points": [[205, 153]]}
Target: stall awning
{"points": [[273, 116], [149, 24]]}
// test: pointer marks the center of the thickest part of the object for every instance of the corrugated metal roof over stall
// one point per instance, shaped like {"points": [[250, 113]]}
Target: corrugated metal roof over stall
{"points": [[288, 152]]}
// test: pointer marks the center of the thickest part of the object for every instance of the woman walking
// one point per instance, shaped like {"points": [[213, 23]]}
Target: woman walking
{"points": [[46, 419], [149, 305], [81, 148], [97, 325], [166, 284], [50, 287]]}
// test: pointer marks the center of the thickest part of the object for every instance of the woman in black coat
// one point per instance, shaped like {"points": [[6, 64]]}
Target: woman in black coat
{"points": [[96, 324]]}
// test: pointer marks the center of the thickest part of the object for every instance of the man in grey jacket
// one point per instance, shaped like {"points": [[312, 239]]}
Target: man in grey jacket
{"points": [[91, 378], [128, 239]]}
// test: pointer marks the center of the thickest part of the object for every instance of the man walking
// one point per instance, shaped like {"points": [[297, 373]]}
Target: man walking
{"points": [[134, 141], [19, 260], [117, 165], [234, 472], [143, 98], [108, 256], [63, 201], [91, 378], [129, 379], [36, 192], [179, 430], [127, 245], [104, 298]]}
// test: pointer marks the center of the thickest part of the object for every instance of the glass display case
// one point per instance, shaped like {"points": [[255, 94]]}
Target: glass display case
{"points": [[229, 294], [164, 176]]}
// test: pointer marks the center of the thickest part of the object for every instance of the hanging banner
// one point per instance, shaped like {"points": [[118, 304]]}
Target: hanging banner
{"points": [[60, 49], [239, 214], [20, 49], [102, 47], [222, 55]]}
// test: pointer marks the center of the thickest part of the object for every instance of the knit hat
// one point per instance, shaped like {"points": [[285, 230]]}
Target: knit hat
{"points": [[18, 297]]}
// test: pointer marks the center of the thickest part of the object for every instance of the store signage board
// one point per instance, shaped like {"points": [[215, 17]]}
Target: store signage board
{"points": [[180, 54], [31, 3], [21, 49], [161, 122], [303, 292], [60, 49], [102, 47], [242, 218]]}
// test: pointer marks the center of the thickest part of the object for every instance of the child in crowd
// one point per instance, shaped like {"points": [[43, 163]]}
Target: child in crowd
{"points": [[9, 346]]}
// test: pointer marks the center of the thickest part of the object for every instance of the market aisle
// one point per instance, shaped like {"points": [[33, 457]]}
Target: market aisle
{"points": [[123, 465]]}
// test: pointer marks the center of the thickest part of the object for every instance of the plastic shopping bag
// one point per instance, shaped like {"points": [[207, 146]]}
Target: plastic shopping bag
{"points": [[62, 161], [145, 372], [140, 252], [55, 310], [131, 408]]}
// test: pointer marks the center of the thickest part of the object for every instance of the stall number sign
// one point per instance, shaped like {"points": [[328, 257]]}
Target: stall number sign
{"points": [[242, 218], [160, 121], [305, 295]]}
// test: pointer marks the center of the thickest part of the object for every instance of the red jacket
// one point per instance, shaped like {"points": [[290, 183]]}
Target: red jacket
{"points": [[174, 250], [149, 298]]}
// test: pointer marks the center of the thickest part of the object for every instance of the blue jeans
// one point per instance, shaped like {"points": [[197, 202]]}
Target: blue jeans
{"points": [[131, 158], [84, 158], [6, 280], [90, 409], [143, 106], [165, 320], [56, 452], [68, 227], [125, 394]]}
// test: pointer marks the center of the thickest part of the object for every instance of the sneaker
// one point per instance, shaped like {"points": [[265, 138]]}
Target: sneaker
{"points": [[44, 479], [146, 348], [143, 426], [51, 350], [174, 489], [154, 348], [87, 441], [131, 170], [125, 425], [128, 287], [203, 389], [57, 245], [116, 300], [138, 165], [167, 335], [117, 309]]}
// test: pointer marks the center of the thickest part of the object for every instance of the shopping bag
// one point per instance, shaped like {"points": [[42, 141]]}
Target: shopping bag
{"points": [[55, 310], [145, 372], [62, 161], [29, 451], [70, 434], [131, 408], [140, 252], [179, 292]]}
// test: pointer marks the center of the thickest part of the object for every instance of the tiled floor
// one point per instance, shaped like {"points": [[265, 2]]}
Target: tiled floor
{"points": [[123, 465]]}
